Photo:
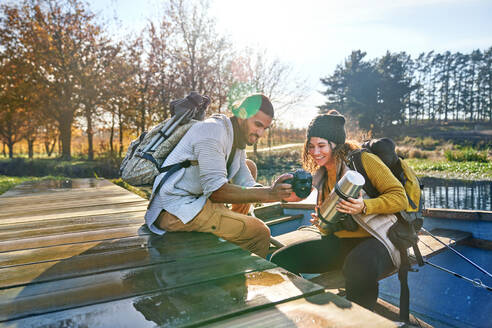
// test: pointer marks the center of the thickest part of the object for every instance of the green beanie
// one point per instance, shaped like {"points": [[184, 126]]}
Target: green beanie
{"points": [[250, 106]]}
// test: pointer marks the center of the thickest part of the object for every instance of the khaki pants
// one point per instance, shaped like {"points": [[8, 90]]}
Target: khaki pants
{"points": [[245, 231]]}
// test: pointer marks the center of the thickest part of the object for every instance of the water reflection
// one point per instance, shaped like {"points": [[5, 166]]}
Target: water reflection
{"points": [[446, 193], [458, 194]]}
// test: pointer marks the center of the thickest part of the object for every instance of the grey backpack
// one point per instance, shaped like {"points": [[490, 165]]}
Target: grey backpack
{"points": [[146, 154]]}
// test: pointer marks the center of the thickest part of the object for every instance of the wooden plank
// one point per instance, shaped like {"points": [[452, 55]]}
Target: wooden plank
{"points": [[78, 212], [452, 214], [74, 237], [294, 236], [59, 252], [185, 306], [429, 247], [61, 203], [192, 240], [265, 212], [281, 219], [63, 294], [68, 225], [392, 313], [321, 310], [39, 188], [478, 243], [55, 196], [301, 206], [111, 255]]}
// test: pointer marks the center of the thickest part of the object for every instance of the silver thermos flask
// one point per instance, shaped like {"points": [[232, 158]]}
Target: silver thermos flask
{"points": [[348, 186]]}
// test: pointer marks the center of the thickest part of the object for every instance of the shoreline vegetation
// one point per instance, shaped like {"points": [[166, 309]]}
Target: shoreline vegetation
{"points": [[426, 156]]}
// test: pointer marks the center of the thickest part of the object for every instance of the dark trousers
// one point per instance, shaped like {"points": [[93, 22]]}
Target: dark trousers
{"points": [[363, 262]]}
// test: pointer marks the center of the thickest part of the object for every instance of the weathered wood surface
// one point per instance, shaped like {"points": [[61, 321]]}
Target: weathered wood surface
{"points": [[74, 253]]}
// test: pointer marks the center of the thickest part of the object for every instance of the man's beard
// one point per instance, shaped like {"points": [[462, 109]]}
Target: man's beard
{"points": [[244, 129]]}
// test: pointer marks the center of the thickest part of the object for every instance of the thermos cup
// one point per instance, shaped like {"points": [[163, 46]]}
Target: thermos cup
{"points": [[348, 186]]}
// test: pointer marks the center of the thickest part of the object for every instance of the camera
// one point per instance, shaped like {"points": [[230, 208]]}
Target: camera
{"points": [[301, 183]]}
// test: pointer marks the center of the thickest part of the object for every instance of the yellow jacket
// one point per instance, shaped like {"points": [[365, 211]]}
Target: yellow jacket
{"points": [[392, 196]]}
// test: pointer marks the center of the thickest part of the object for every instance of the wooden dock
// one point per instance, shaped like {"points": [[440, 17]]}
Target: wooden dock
{"points": [[76, 254]]}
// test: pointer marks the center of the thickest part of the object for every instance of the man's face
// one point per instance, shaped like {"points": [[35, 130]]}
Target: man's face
{"points": [[254, 127]]}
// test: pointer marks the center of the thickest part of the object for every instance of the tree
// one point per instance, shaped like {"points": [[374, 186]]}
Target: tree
{"points": [[353, 90], [199, 54], [12, 112], [54, 37], [375, 93]]}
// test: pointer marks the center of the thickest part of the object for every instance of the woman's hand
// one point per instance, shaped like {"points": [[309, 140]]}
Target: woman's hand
{"points": [[352, 206], [314, 218]]}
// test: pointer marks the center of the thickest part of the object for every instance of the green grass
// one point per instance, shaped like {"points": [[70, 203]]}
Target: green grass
{"points": [[466, 155], [452, 170], [7, 182]]}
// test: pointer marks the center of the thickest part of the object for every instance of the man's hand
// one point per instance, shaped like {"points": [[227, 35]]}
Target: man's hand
{"points": [[281, 190]]}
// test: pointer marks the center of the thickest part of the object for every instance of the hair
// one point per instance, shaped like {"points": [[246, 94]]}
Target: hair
{"points": [[340, 151], [266, 106]]}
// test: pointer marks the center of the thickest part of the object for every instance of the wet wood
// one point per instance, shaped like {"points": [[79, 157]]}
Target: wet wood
{"points": [[58, 295], [73, 237], [53, 253], [60, 203], [85, 260], [188, 305], [41, 215], [48, 187], [190, 242], [66, 225], [322, 310]]}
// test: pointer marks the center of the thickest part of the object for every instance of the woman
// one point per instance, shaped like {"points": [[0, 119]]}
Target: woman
{"points": [[366, 254]]}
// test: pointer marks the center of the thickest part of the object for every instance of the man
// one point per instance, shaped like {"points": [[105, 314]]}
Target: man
{"points": [[192, 199]]}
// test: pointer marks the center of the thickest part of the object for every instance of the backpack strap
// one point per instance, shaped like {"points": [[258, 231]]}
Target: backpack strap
{"points": [[404, 290], [170, 170], [231, 157], [355, 163]]}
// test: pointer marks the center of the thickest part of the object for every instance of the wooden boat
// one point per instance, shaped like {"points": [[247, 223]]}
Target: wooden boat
{"points": [[437, 297]]}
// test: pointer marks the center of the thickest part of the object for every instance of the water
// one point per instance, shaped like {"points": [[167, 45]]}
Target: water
{"points": [[458, 194], [443, 300], [446, 193]]}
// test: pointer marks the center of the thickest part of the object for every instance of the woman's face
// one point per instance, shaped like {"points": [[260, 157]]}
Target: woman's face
{"points": [[320, 150]]}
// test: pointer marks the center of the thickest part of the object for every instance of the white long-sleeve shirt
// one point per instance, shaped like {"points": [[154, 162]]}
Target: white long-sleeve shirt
{"points": [[185, 192]]}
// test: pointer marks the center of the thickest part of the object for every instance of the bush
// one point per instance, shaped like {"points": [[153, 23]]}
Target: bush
{"points": [[107, 167], [466, 155], [417, 153]]}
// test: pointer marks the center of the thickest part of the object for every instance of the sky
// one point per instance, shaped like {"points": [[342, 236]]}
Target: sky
{"points": [[314, 36]]}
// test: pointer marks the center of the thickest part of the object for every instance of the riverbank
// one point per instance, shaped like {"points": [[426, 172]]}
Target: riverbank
{"points": [[270, 164], [476, 171]]}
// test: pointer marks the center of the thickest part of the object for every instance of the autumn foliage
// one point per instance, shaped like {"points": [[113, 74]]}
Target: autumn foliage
{"points": [[62, 76]]}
